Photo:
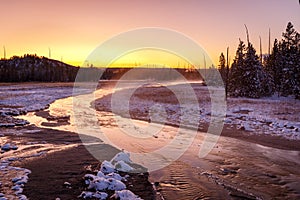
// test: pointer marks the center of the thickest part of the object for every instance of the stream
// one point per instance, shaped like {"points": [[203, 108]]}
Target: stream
{"points": [[234, 169]]}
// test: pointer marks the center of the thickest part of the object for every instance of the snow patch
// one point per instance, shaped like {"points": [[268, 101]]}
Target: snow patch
{"points": [[107, 179], [125, 195]]}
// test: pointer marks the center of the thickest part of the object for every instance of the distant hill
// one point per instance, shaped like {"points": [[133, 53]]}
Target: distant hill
{"points": [[34, 68]]}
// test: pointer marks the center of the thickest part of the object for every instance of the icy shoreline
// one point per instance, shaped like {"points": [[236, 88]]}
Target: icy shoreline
{"points": [[266, 116], [243, 112], [19, 99]]}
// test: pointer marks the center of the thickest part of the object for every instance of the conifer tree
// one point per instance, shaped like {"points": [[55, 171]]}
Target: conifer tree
{"points": [[290, 62], [274, 66], [235, 72], [247, 77], [222, 68]]}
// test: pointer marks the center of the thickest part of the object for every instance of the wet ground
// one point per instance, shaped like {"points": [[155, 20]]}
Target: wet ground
{"points": [[234, 169], [238, 167]]}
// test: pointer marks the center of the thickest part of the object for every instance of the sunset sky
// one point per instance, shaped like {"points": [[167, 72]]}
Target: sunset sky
{"points": [[72, 29]]}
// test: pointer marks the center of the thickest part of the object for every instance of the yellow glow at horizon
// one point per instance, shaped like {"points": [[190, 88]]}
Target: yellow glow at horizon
{"points": [[151, 58]]}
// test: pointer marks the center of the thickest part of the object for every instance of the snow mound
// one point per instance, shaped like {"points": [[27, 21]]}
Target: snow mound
{"points": [[97, 195], [103, 184], [114, 176], [115, 184], [107, 167], [125, 195], [107, 179], [123, 166], [122, 156]]}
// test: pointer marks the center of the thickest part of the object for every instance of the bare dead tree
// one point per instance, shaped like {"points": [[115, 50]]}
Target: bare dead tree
{"points": [[227, 73], [204, 65], [49, 52], [4, 52], [269, 48], [247, 33], [260, 50]]}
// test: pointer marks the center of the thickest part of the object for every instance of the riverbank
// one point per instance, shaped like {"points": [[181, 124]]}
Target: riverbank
{"points": [[244, 165], [272, 122], [53, 162]]}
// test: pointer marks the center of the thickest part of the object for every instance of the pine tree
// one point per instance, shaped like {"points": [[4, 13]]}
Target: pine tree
{"points": [[274, 66], [256, 81], [247, 77], [235, 72], [222, 68], [290, 52]]}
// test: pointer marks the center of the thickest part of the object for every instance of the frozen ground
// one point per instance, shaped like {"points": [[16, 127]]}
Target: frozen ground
{"points": [[277, 116], [16, 99], [228, 165]]}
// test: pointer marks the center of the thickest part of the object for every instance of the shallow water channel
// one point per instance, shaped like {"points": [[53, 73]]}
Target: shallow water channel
{"points": [[234, 169]]}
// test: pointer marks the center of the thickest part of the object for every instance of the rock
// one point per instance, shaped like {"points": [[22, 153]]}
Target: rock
{"points": [[22, 197], [67, 184], [14, 147], [226, 171], [7, 124], [16, 179], [6, 147]]}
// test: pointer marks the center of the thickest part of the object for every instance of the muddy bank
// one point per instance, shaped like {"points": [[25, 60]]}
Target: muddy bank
{"points": [[64, 159], [53, 156], [234, 169]]}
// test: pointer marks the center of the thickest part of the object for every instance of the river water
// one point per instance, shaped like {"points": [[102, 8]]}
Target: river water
{"points": [[234, 169]]}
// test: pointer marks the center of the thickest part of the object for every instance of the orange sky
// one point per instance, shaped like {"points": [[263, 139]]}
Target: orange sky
{"points": [[73, 28]]}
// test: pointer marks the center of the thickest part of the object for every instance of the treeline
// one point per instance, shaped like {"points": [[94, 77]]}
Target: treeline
{"points": [[252, 76], [34, 68]]}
